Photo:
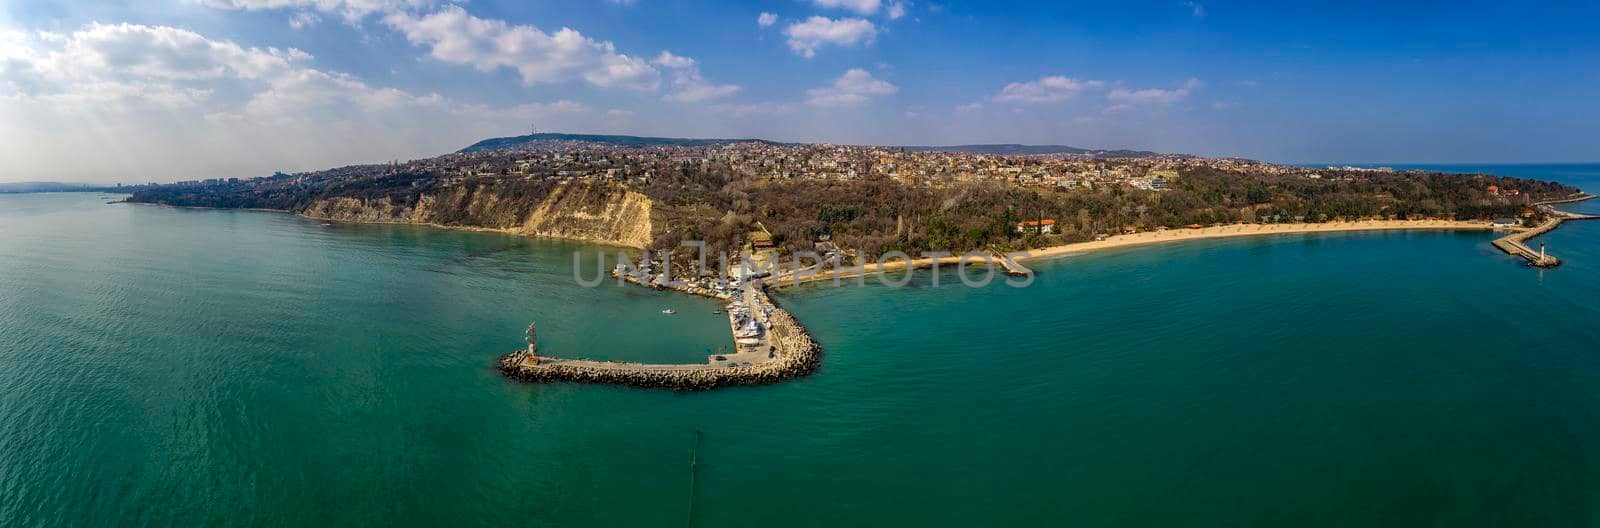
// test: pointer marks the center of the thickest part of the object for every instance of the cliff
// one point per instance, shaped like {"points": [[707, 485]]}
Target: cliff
{"points": [[587, 211]]}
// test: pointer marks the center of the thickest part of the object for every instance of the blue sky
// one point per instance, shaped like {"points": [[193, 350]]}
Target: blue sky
{"points": [[160, 90]]}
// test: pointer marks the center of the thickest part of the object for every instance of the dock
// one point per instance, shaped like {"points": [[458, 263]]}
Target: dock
{"points": [[1516, 244]]}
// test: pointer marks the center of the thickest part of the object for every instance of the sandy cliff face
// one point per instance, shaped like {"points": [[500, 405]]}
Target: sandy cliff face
{"points": [[593, 212]]}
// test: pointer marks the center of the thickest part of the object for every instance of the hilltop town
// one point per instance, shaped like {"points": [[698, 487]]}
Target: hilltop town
{"points": [[575, 159]]}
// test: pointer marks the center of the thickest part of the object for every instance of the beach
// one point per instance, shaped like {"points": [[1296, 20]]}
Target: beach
{"points": [[1154, 237]]}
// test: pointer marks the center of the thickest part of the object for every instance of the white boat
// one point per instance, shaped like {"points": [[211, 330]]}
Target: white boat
{"points": [[669, 311], [749, 330]]}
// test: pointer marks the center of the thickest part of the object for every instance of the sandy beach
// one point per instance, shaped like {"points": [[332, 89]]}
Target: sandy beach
{"points": [[1170, 235]]}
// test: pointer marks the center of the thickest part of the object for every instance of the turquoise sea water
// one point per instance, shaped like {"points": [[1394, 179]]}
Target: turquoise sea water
{"points": [[165, 366]]}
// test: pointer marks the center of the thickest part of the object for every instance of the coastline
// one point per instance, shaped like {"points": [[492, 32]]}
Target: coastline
{"points": [[795, 351], [1246, 230], [475, 229], [1171, 235], [798, 354]]}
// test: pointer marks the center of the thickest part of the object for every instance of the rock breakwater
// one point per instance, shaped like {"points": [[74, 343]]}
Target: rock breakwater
{"points": [[795, 354]]}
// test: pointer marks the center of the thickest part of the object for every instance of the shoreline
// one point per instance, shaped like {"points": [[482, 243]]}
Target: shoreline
{"points": [[795, 353], [474, 229], [1248, 230], [798, 354], [1159, 237]]}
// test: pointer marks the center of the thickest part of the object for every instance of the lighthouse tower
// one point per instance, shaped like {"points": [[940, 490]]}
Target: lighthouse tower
{"points": [[533, 344]]}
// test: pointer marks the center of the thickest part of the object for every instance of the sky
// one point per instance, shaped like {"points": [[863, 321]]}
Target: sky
{"points": [[159, 91]]}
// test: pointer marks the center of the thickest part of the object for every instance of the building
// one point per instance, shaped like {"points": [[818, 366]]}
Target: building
{"points": [[1506, 222], [1045, 225], [760, 240]]}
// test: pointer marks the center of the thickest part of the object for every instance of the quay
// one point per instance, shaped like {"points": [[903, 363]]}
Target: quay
{"points": [[1516, 244]]}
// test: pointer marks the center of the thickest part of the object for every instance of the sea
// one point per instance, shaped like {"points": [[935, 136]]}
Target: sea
{"points": [[187, 367]]}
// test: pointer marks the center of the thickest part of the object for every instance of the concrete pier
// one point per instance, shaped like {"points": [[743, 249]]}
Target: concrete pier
{"points": [[1012, 267]]}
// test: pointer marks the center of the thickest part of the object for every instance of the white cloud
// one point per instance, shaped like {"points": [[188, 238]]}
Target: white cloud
{"points": [[125, 66], [352, 10], [618, 113], [766, 19], [860, 7], [129, 64], [667, 59], [177, 105], [1199, 11], [303, 19], [806, 36], [1152, 96], [748, 109], [970, 107], [896, 10], [853, 88], [1049, 89], [688, 85], [456, 37]]}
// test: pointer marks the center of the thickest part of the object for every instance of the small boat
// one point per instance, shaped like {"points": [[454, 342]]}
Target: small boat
{"points": [[717, 312], [669, 311]]}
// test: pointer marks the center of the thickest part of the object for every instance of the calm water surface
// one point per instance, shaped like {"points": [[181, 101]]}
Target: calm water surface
{"points": [[165, 366]]}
